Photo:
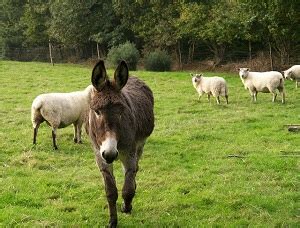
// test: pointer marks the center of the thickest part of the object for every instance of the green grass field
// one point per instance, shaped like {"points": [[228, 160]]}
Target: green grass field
{"points": [[186, 178]]}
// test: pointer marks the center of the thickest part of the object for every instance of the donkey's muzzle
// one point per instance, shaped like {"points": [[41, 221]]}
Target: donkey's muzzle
{"points": [[109, 157]]}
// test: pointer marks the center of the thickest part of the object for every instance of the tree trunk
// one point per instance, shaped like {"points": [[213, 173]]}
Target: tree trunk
{"points": [[270, 55], [179, 55], [219, 52], [250, 50], [191, 52]]}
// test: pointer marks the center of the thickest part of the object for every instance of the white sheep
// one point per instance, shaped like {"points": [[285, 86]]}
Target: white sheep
{"points": [[60, 110], [293, 73], [265, 82], [215, 86]]}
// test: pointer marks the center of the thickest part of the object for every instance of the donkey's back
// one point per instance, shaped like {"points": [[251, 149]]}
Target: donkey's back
{"points": [[140, 100]]}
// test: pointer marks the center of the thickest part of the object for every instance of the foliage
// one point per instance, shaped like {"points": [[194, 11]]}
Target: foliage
{"points": [[175, 26], [185, 177], [35, 18], [158, 61], [127, 52], [70, 22], [11, 28]]}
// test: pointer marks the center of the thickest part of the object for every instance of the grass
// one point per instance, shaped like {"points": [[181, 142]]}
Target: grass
{"points": [[186, 178]]}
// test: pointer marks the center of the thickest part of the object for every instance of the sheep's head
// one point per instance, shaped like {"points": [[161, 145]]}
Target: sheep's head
{"points": [[243, 72], [196, 78], [287, 74]]}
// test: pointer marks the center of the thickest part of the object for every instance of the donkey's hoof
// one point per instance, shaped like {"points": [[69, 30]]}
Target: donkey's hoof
{"points": [[126, 209], [113, 223]]}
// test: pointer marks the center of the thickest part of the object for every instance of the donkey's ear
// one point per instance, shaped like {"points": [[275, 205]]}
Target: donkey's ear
{"points": [[99, 75], [121, 75]]}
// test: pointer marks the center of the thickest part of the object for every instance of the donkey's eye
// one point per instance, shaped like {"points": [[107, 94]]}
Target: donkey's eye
{"points": [[98, 112]]}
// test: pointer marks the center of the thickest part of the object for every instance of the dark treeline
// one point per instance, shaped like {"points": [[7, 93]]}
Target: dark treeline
{"points": [[218, 30]]}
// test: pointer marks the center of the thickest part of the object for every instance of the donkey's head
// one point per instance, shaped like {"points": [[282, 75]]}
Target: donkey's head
{"points": [[107, 107]]}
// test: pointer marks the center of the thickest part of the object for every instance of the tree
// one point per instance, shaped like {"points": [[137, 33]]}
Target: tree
{"points": [[283, 23], [70, 22], [222, 28], [193, 17], [11, 29], [35, 19]]}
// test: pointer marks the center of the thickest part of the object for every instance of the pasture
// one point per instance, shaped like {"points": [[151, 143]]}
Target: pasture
{"points": [[186, 178]]}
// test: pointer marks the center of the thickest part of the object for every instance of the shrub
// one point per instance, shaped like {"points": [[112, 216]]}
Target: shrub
{"points": [[158, 61], [127, 52]]}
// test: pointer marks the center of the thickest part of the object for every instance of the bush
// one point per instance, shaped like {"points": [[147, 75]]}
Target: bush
{"points": [[158, 61], [127, 52]]}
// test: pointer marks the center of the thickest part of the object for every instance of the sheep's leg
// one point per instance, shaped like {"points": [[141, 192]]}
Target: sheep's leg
{"points": [[282, 92], [110, 189], [252, 94], [218, 99], [79, 126], [75, 139], [208, 97], [283, 97], [199, 97], [54, 138], [128, 191], [35, 131], [253, 97], [274, 96], [297, 84], [226, 97]]}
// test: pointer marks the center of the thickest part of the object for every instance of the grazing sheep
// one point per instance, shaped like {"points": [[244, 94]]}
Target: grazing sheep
{"points": [[265, 82], [60, 110], [215, 86], [293, 73]]}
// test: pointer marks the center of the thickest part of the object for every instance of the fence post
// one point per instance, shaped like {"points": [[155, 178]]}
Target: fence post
{"points": [[98, 53], [50, 53]]}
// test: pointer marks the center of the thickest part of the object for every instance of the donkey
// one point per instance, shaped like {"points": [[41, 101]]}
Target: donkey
{"points": [[120, 120]]}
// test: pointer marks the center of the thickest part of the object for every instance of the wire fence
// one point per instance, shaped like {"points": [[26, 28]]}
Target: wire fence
{"points": [[203, 58]]}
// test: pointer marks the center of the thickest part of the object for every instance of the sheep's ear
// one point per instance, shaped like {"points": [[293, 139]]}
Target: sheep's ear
{"points": [[99, 75], [238, 69], [121, 75], [247, 69], [191, 74]]}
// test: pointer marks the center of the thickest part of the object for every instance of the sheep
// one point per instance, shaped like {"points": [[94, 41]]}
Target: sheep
{"points": [[215, 86], [60, 110], [265, 82], [293, 73]]}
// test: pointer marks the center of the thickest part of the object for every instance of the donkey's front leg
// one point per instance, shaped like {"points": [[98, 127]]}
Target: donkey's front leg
{"points": [[110, 189], [128, 191]]}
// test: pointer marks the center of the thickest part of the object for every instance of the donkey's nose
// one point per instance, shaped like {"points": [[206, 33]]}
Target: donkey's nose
{"points": [[109, 157]]}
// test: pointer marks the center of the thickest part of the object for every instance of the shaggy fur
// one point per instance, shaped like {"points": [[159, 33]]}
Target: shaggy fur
{"points": [[121, 112]]}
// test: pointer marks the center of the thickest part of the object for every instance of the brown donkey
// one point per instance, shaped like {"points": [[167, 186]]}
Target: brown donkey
{"points": [[120, 120]]}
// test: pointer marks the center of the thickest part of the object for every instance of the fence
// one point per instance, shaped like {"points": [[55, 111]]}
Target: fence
{"points": [[203, 58]]}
